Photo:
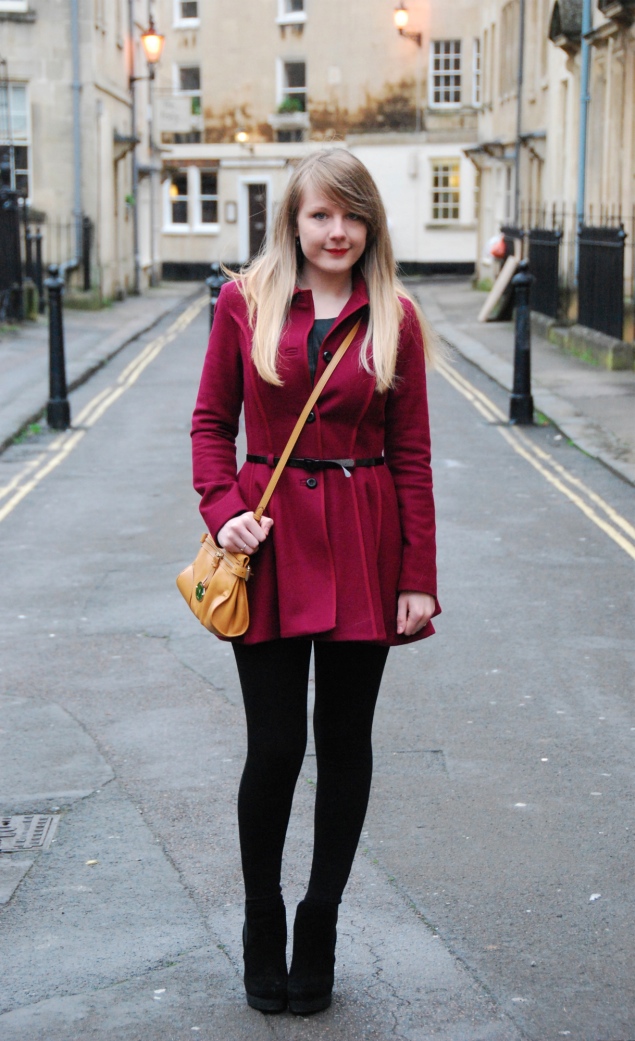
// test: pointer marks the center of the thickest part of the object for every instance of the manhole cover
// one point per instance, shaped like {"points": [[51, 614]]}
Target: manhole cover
{"points": [[28, 831]]}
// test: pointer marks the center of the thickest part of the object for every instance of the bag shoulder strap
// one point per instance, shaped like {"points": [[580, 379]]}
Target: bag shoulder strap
{"points": [[297, 430]]}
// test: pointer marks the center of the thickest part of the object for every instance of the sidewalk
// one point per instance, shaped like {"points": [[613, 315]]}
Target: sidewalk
{"points": [[593, 407], [91, 338]]}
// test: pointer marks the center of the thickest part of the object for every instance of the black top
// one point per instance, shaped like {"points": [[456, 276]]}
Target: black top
{"points": [[320, 328]]}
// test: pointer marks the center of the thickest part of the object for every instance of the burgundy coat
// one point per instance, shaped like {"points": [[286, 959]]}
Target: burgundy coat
{"points": [[339, 552]]}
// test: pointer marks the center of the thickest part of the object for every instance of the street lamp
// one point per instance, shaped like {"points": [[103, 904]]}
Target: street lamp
{"points": [[402, 17], [152, 43]]}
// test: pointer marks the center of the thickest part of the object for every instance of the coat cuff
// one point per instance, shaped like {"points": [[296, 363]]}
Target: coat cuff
{"points": [[217, 514]]}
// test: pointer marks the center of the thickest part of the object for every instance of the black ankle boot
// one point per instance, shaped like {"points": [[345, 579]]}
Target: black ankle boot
{"points": [[265, 955], [313, 965]]}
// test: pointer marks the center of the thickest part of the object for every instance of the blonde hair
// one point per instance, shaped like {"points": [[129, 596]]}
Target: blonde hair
{"points": [[269, 281]]}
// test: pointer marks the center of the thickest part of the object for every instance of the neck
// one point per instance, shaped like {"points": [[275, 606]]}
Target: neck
{"points": [[327, 285]]}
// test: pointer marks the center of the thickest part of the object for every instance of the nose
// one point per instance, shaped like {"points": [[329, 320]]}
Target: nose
{"points": [[337, 228]]}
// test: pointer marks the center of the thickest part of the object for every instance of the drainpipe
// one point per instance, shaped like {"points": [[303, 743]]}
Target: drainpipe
{"points": [[519, 110], [135, 165], [77, 134], [585, 98]]}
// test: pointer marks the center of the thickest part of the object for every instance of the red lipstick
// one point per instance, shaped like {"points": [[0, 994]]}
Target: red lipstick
{"points": [[337, 252]]}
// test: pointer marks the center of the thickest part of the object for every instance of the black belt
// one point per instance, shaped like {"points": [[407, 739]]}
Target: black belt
{"points": [[317, 464]]}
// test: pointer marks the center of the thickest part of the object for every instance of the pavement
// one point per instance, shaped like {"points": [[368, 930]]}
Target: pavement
{"points": [[592, 406], [91, 339], [491, 898]]}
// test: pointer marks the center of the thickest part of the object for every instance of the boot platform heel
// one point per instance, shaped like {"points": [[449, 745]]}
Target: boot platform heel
{"points": [[265, 947], [312, 971]]}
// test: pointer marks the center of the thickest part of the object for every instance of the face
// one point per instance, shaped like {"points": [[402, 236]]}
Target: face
{"points": [[332, 238]]}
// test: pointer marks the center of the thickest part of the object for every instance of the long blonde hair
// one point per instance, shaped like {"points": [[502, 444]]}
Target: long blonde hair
{"points": [[269, 281]]}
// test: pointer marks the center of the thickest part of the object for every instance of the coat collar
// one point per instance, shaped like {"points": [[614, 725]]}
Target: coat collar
{"points": [[303, 298]]}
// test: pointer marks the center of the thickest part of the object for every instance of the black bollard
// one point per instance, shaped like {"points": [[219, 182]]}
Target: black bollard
{"points": [[521, 404], [214, 283], [58, 410], [29, 238], [38, 275], [87, 234]]}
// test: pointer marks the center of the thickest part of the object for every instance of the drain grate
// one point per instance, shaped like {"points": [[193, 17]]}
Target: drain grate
{"points": [[28, 831]]}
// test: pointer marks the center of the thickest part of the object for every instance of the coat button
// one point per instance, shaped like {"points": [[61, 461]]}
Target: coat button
{"points": [[311, 482], [327, 356], [311, 417]]}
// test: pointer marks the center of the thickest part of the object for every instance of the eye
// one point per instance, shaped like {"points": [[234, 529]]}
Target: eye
{"points": [[354, 216], [320, 215]]}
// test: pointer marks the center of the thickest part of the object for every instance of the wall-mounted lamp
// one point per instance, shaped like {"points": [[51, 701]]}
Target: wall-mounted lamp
{"points": [[402, 18], [241, 137], [152, 43]]}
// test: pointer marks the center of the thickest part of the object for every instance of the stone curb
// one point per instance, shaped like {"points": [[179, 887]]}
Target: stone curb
{"points": [[587, 435]]}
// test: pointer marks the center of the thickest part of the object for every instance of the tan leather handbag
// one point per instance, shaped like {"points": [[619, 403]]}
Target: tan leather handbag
{"points": [[215, 584]]}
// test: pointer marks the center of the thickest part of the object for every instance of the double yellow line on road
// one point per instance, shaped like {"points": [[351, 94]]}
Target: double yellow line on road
{"points": [[60, 448], [587, 501]]}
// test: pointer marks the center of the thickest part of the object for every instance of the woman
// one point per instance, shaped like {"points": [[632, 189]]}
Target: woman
{"points": [[346, 560]]}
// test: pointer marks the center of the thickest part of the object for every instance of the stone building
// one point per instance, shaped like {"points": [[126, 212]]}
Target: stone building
{"points": [[245, 90], [545, 193], [66, 122]]}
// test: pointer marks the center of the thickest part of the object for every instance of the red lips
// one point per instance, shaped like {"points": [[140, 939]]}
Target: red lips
{"points": [[337, 252]]}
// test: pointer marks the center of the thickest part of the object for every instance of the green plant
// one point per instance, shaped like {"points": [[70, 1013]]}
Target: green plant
{"points": [[32, 430], [290, 104]]}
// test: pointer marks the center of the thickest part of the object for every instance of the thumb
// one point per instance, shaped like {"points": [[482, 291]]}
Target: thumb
{"points": [[402, 613], [266, 524]]}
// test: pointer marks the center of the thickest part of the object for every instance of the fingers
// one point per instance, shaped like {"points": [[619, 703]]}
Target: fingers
{"points": [[414, 611], [243, 534]]}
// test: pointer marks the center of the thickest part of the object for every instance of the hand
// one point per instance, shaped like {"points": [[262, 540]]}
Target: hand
{"points": [[414, 610], [243, 534]]}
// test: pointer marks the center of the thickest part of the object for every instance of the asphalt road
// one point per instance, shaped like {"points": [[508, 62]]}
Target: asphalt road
{"points": [[492, 897]]}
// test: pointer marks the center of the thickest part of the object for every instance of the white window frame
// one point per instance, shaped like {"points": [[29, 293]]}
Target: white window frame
{"points": [[289, 17], [20, 137], [198, 93], [195, 186], [186, 23], [477, 72], [445, 74], [282, 90], [438, 163], [14, 6]]}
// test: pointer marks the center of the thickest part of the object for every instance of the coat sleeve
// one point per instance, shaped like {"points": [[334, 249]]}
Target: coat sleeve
{"points": [[407, 450], [216, 418]]}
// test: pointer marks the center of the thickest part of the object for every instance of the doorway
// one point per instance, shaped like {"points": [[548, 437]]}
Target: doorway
{"points": [[257, 217]]}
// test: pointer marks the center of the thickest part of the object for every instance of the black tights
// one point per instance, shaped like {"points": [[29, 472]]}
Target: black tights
{"points": [[274, 680]]}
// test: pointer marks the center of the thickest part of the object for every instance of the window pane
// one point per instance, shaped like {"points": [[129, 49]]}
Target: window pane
{"points": [[179, 184], [21, 157], [209, 181], [22, 183], [179, 212], [190, 77], [189, 9], [295, 5], [209, 211], [295, 74]]}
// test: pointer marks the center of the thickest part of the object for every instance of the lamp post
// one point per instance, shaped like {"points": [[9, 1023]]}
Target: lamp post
{"points": [[152, 43], [401, 17]]}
